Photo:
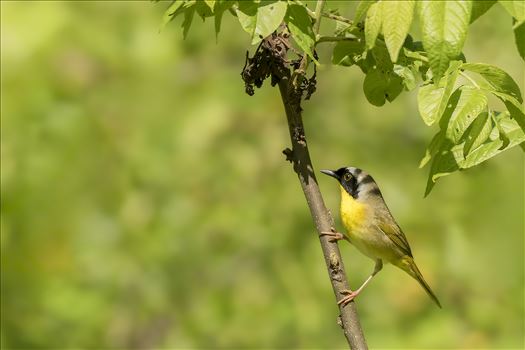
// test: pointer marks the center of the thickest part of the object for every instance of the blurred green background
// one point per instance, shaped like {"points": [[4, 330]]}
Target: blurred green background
{"points": [[145, 202]]}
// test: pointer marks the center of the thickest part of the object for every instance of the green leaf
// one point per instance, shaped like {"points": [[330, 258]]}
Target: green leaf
{"points": [[397, 19], [432, 149], [479, 142], [412, 53], [203, 10], [210, 3], [247, 16], [482, 153], [445, 162], [514, 107], [341, 28], [515, 110], [502, 133], [382, 57], [347, 53], [432, 99], [171, 13], [408, 76], [519, 35], [516, 8], [270, 15], [440, 148], [501, 85], [440, 137], [188, 18], [379, 86], [498, 79], [479, 8], [478, 132], [300, 26], [444, 25], [220, 8], [513, 134], [374, 87], [362, 9], [449, 161], [510, 128], [373, 21], [471, 103]]}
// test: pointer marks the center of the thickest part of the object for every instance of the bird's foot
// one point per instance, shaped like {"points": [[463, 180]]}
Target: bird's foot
{"points": [[349, 296], [334, 235]]}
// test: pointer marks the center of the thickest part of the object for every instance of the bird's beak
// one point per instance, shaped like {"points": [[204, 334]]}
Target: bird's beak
{"points": [[330, 173]]}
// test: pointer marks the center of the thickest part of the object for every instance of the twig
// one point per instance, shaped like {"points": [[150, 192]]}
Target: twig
{"points": [[302, 164], [323, 221], [269, 60], [324, 14], [327, 39], [337, 18], [318, 13], [416, 55]]}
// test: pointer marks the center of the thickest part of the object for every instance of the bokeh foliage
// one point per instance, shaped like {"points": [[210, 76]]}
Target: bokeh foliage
{"points": [[145, 201], [453, 91]]}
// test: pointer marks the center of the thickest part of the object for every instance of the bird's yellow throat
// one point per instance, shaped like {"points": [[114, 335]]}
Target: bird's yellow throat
{"points": [[352, 212]]}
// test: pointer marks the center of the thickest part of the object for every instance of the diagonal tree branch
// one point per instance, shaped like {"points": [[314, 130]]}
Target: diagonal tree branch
{"points": [[271, 60], [291, 95], [302, 164]]}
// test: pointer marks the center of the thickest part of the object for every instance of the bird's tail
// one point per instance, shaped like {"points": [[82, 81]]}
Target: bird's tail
{"points": [[410, 266]]}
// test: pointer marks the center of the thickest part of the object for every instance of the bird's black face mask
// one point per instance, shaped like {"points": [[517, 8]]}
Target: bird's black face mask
{"points": [[348, 181], [345, 178]]}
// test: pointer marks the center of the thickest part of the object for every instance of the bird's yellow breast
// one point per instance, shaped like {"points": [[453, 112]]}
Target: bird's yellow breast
{"points": [[353, 213], [358, 218]]}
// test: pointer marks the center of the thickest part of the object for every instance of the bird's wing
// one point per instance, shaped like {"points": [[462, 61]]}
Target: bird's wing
{"points": [[388, 225]]}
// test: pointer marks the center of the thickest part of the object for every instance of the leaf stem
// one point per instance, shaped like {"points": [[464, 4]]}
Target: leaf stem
{"points": [[414, 54], [318, 15], [338, 18], [324, 14], [324, 39]]}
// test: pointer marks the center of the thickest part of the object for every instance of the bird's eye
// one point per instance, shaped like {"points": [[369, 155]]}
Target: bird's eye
{"points": [[347, 177]]}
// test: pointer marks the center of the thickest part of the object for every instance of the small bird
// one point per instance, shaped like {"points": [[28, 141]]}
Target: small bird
{"points": [[371, 227]]}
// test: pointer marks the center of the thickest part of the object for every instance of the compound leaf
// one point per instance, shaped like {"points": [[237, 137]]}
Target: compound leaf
{"points": [[498, 79]]}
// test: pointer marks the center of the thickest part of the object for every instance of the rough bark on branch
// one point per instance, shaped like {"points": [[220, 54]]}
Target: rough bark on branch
{"points": [[302, 164], [271, 60]]}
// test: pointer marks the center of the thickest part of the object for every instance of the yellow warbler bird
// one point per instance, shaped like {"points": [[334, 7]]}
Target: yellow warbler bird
{"points": [[371, 227]]}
